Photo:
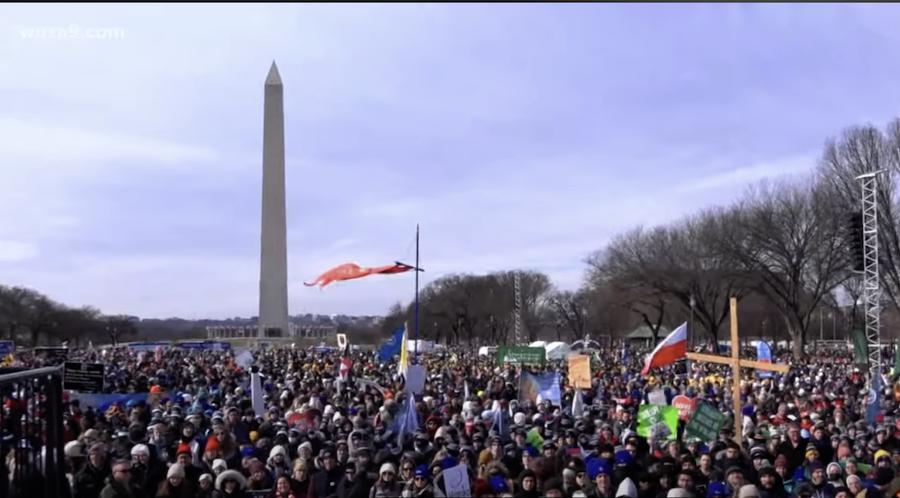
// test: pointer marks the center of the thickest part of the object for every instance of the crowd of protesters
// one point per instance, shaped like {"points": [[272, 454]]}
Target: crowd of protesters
{"points": [[321, 434]]}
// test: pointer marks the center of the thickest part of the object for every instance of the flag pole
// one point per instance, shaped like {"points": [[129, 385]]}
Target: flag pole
{"points": [[416, 312]]}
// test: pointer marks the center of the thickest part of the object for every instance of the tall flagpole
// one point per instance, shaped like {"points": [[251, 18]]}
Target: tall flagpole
{"points": [[416, 316]]}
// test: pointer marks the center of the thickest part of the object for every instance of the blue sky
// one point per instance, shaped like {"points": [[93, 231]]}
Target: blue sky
{"points": [[519, 136]]}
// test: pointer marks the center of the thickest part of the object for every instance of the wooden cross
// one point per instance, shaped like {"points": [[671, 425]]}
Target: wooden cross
{"points": [[736, 364]]}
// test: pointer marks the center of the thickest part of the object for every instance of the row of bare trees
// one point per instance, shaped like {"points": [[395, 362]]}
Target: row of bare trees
{"points": [[782, 249], [32, 319]]}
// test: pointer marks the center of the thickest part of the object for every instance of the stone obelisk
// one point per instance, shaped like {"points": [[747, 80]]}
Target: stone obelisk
{"points": [[273, 291]]}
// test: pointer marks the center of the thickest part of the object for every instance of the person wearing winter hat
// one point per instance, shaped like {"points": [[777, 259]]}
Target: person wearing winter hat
{"points": [[387, 485], [679, 493], [627, 489], [734, 476], [835, 474], [175, 483], [231, 484], [716, 489], [185, 457], [420, 485], [218, 466], [205, 486], [819, 480]]}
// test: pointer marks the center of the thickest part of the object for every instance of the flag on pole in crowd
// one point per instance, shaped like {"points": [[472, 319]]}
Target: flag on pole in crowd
{"points": [[577, 405], [763, 355], [667, 352], [404, 353], [393, 345], [408, 421], [873, 403]]}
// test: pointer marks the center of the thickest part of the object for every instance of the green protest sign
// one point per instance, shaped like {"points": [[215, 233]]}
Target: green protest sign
{"points": [[705, 423], [521, 354], [656, 422]]}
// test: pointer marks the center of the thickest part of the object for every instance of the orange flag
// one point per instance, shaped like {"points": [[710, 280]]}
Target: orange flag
{"points": [[352, 271]]}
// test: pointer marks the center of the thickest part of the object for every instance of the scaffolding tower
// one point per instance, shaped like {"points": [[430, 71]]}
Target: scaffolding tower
{"points": [[871, 279], [517, 308]]}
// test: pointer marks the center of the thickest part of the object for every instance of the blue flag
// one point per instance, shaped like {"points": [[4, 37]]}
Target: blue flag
{"points": [[501, 424], [407, 419], [763, 355], [873, 403], [392, 346], [624, 358], [544, 385]]}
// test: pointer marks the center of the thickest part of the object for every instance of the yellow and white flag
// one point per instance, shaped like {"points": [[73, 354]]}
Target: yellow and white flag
{"points": [[404, 355]]}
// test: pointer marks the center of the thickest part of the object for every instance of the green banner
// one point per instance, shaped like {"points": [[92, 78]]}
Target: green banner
{"points": [[656, 422], [521, 354], [860, 348], [705, 423]]}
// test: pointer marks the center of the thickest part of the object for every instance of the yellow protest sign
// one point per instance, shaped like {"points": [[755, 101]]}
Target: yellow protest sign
{"points": [[580, 371]]}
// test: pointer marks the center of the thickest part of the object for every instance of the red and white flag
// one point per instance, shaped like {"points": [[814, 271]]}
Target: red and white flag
{"points": [[667, 352], [344, 368]]}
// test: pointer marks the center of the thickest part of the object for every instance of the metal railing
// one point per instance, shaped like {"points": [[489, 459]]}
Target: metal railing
{"points": [[32, 462]]}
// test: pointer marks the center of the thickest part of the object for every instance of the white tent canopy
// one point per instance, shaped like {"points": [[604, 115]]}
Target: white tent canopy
{"points": [[557, 350]]}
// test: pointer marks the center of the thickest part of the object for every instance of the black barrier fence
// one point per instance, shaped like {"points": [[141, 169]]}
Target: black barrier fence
{"points": [[32, 462]]}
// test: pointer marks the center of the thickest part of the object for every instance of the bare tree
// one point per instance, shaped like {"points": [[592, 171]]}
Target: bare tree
{"points": [[572, 310], [863, 150], [790, 236]]}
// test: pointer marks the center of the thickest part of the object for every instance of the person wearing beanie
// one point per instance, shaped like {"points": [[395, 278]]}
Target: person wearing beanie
{"points": [[835, 474], [770, 484], [88, 482], [819, 480], [627, 489], [205, 486], [260, 478], [185, 457], [387, 485], [324, 482], [175, 485], [213, 449], [482, 489], [812, 453], [420, 485]]}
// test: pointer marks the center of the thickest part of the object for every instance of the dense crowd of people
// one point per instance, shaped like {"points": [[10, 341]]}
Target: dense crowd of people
{"points": [[321, 435]]}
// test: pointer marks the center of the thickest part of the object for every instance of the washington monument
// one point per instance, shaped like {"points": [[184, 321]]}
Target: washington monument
{"points": [[273, 292]]}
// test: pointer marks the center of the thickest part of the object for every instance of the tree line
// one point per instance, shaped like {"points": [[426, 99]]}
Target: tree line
{"points": [[32, 319], [783, 249]]}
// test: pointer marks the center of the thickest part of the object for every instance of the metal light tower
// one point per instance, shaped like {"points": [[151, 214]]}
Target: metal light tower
{"points": [[871, 281], [517, 309]]}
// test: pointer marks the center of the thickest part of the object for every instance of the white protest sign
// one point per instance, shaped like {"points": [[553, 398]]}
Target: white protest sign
{"points": [[456, 482], [657, 397], [415, 379]]}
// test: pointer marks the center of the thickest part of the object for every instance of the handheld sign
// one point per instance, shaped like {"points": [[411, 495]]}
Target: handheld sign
{"points": [[83, 377]]}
